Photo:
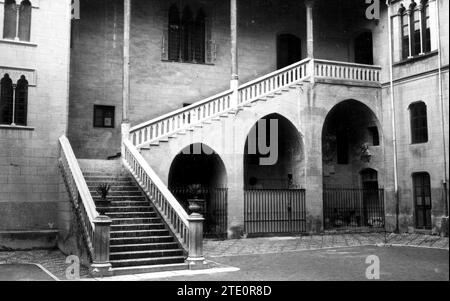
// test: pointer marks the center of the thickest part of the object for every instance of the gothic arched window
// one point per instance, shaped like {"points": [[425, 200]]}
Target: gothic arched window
{"points": [[200, 37], [404, 20], [188, 38], [10, 19], [24, 21], [17, 20], [187, 35], [6, 99], [21, 102], [174, 34], [415, 24]]}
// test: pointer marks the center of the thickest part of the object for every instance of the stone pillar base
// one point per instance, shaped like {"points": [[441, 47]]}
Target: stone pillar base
{"points": [[101, 270], [197, 263]]}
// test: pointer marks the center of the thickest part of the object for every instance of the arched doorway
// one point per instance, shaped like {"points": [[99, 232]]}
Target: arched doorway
{"points": [[199, 172], [364, 48], [289, 50], [351, 154], [273, 177]]}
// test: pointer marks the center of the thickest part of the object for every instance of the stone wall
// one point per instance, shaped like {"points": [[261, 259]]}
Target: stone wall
{"points": [[158, 87], [29, 178]]}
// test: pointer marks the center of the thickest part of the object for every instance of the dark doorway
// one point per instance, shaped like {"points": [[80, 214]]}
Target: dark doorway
{"points": [[364, 48], [199, 172], [289, 50], [369, 179], [422, 200]]}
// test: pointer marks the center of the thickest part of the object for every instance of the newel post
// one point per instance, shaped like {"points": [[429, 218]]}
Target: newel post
{"points": [[125, 132], [196, 260], [101, 266]]}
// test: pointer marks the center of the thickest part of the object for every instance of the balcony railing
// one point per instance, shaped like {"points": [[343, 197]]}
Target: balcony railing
{"points": [[346, 71], [223, 103]]}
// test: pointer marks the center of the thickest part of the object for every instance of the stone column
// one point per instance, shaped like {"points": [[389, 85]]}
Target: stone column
{"points": [[126, 70], [408, 13], [310, 27], [101, 266], [234, 83], [196, 260], [422, 27]]}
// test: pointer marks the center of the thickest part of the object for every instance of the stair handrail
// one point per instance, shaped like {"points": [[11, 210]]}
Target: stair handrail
{"points": [[169, 208], [79, 192], [180, 110], [219, 104], [274, 73], [199, 111]]}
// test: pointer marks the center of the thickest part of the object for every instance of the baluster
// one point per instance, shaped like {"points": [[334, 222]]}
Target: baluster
{"points": [[147, 133]]}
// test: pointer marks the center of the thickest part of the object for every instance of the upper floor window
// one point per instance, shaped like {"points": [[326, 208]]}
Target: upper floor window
{"points": [[419, 123], [17, 20], [104, 116], [13, 101], [188, 36], [415, 27]]}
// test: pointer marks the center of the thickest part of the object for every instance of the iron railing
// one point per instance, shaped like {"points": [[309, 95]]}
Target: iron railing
{"points": [[214, 210], [274, 211], [353, 208]]}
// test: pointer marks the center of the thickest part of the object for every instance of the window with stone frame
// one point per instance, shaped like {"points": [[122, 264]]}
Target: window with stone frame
{"points": [[104, 116], [17, 20], [13, 101], [419, 122], [415, 25], [188, 37]]}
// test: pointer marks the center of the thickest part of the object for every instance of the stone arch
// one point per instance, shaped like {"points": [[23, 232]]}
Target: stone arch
{"points": [[281, 164], [348, 143], [199, 172]]}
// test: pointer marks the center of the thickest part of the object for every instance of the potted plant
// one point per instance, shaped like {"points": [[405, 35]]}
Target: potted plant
{"points": [[196, 204], [103, 190]]}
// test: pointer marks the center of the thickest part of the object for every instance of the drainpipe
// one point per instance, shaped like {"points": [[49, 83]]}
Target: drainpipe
{"points": [[441, 99], [393, 123]]}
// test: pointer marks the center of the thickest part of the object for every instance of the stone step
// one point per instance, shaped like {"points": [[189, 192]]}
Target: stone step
{"points": [[117, 209], [128, 227], [144, 247], [145, 254], [94, 184], [135, 220], [120, 188], [129, 203], [104, 174], [116, 193], [140, 240], [147, 261], [108, 179], [149, 269], [115, 215], [140, 198], [139, 233]]}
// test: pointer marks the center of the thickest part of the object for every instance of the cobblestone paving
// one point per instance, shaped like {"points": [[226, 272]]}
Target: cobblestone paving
{"points": [[217, 248], [53, 260]]}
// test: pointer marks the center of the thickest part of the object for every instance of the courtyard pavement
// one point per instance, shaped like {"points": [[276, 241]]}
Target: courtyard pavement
{"points": [[271, 256], [267, 245]]}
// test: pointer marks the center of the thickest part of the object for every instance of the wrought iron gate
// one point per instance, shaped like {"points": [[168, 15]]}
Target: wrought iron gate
{"points": [[353, 208], [274, 211], [214, 211]]}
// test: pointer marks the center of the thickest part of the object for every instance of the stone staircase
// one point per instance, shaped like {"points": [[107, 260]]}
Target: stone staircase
{"points": [[140, 242]]}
